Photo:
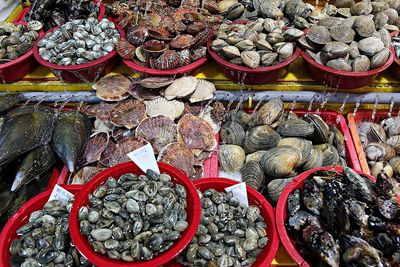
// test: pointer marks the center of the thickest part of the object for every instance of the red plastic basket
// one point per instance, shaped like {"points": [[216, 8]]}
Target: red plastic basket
{"points": [[21, 217], [342, 79], [18, 68], [394, 69], [281, 211], [88, 72], [193, 212]]}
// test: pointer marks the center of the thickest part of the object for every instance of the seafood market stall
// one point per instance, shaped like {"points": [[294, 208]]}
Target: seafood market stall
{"points": [[200, 133]]}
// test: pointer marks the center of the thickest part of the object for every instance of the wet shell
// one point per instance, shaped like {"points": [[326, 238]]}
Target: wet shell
{"points": [[125, 49], [364, 26], [269, 112], [231, 157], [123, 147], [103, 111], [380, 58], [204, 91], [154, 47], [261, 137], [181, 87], [128, 113], [343, 34], [112, 87], [179, 156], [241, 117], [232, 133], [181, 41], [107, 154], [251, 59], [196, 133], [137, 36], [395, 163], [159, 131], [377, 133], [379, 152], [361, 63], [304, 146], [361, 8], [319, 35], [161, 106], [280, 161], [200, 39], [275, 188], [253, 175], [330, 155], [168, 60], [295, 128], [321, 129], [392, 126], [315, 160], [95, 147]]}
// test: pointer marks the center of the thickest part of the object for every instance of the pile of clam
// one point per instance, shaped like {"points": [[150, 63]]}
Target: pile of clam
{"points": [[79, 41], [381, 143], [256, 44], [135, 217], [268, 148], [17, 40], [182, 134], [396, 45], [45, 239], [229, 234]]}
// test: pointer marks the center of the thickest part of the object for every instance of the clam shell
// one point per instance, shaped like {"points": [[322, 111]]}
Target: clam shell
{"points": [[128, 113], [95, 147], [196, 133], [295, 128], [231, 157], [314, 161], [123, 147], [361, 8], [256, 156], [231, 51], [280, 161], [361, 63], [241, 117], [377, 133], [204, 91], [304, 146], [86, 174], [269, 112], [208, 115], [319, 35], [380, 58], [261, 137], [112, 87], [232, 133], [343, 34], [179, 156], [253, 175], [251, 59], [140, 93], [181, 87], [395, 163], [394, 141], [364, 26], [392, 126], [159, 131], [330, 155], [218, 44], [379, 152], [385, 37], [161, 106], [275, 188], [339, 64], [245, 45], [321, 129]]}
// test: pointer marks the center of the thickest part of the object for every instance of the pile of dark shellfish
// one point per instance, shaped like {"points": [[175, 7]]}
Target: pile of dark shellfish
{"points": [[268, 148], [345, 220]]}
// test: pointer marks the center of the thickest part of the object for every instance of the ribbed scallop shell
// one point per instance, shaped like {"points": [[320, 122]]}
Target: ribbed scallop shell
{"points": [[108, 153], [179, 156], [204, 91], [181, 87], [125, 49], [167, 61], [124, 147], [95, 147], [112, 87], [159, 131], [196, 133], [128, 113], [103, 111], [161, 106], [156, 82]]}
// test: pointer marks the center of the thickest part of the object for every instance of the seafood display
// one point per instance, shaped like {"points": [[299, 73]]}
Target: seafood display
{"points": [[79, 41], [261, 43], [269, 147], [17, 40], [45, 239], [53, 13], [134, 218], [337, 219], [396, 45], [229, 234]]}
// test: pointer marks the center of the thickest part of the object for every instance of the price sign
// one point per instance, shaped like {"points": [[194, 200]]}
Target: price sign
{"points": [[240, 192], [144, 158], [60, 194]]}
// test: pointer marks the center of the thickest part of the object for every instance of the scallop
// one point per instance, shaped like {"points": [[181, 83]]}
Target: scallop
{"points": [[231, 158], [159, 131], [156, 82], [232, 133], [161, 106], [95, 147], [319, 35], [261, 137], [112, 87], [179, 156], [204, 91], [128, 113], [280, 161], [123, 147], [181, 87]]}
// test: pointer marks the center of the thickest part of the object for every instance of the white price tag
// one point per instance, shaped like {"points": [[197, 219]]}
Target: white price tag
{"points": [[237, 176], [144, 158], [240, 192], [60, 194]]}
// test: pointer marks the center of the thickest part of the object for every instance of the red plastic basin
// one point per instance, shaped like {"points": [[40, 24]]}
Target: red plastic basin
{"points": [[18, 68], [88, 72], [21, 217], [193, 212], [281, 210], [342, 79], [394, 69]]}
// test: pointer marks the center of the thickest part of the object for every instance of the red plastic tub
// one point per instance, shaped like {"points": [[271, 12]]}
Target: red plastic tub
{"points": [[193, 212], [21, 217], [18, 68], [281, 211], [267, 255], [88, 72], [102, 11], [394, 69], [342, 79]]}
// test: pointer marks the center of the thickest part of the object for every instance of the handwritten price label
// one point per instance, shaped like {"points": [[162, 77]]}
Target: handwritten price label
{"points": [[240, 192], [60, 194], [144, 158]]}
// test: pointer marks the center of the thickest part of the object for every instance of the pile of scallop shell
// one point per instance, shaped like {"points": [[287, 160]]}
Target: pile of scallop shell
{"points": [[268, 148], [135, 217], [182, 133], [255, 44], [381, 143], [79, 41], [17, 40], [229, 234]]}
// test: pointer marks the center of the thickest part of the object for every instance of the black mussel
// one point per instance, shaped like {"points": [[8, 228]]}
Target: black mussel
{"points": [[388, 208], [362, 186], [358, 252], [384, 243], [294, 202], [312, 197]]}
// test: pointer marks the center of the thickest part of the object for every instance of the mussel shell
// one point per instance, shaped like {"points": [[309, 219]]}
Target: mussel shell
{"points": [[261, 137], [231, 157], [295, 128], [321, 131], [253, 175], [232, 133], [330, 155], [304, 146], [280, 161]]}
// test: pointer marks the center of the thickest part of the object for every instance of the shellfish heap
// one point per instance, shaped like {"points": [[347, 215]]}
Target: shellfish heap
{"points": [[344, 220], [396, 45], [17, 40], [269, 148], [155, 216], [79, 41], [182, 134], [254, 44], [381, 144], [165, 37]]}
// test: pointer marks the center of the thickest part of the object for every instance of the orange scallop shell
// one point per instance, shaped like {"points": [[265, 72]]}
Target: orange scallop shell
{"points": [[112, 87], [128, 113], [125, 146], [125, 49], [95, 147], [103, 111], [179, 156]]}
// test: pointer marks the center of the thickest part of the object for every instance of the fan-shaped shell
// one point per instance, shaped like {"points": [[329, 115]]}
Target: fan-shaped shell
{"points": [[196, 133], [161, 106], [295, 128], [86, 174], [304, 146], [280, 161], [95, 147], [179, 156], [140, 93], [253, 175], [128, 113], [125, 146], [204, 91], [107, 154], [181, 87], [159, 131], [261, 137], [156, 82], [103, 111], [269, 112], [231, 157], [125, 49], [232, 133], [112, 87]]}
